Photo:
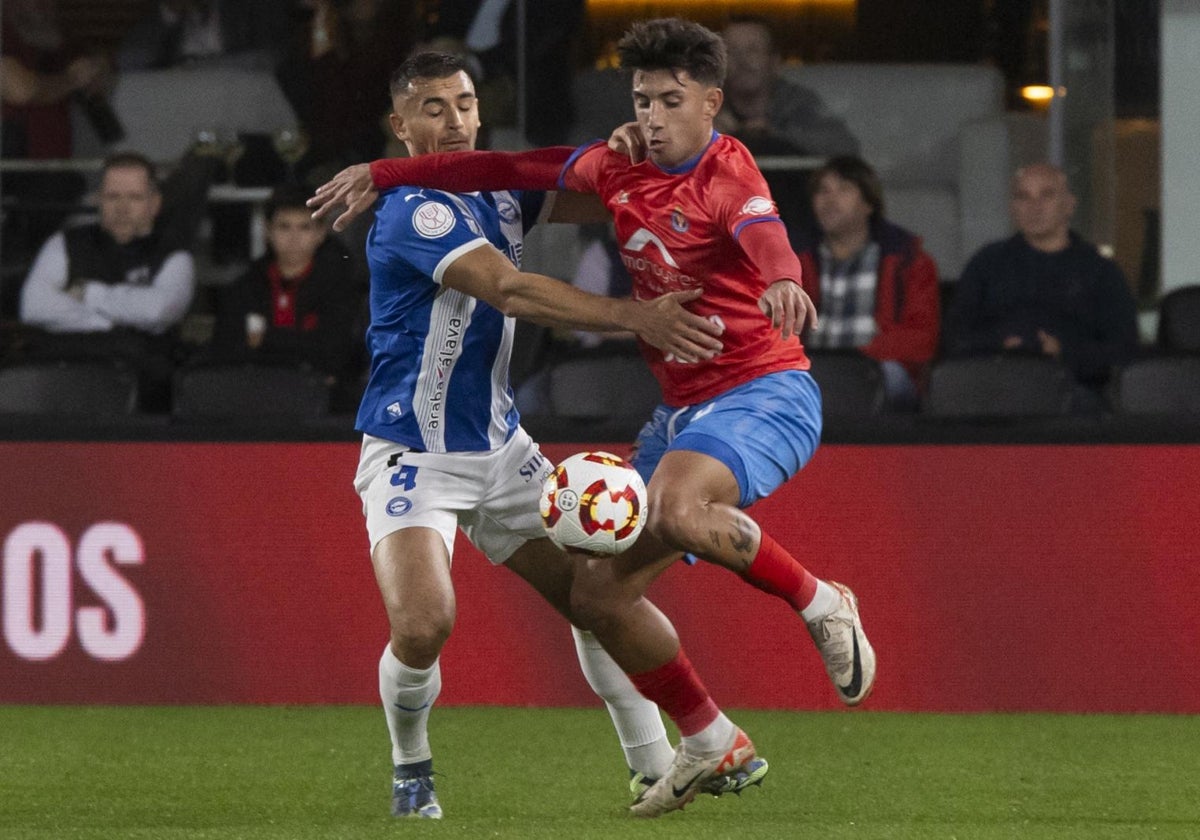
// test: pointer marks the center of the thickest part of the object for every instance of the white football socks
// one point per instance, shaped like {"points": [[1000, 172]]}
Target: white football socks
{"points": [[408, 695], [712, 739], [824, 602], [637, 720]]}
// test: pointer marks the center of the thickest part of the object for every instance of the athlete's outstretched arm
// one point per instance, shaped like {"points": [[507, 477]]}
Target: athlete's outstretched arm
{"points": [[536, 169], [663, 322], [358, 186], [785, 302]]}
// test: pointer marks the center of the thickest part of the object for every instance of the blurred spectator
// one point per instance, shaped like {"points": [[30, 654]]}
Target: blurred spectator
{"points": [[1046, 290], [601, 272], [41, 75], [768, 113], [331, 74], [489, 29], [113, 288], [875, 288], [248, 35], [175, 32], [297, 304]]}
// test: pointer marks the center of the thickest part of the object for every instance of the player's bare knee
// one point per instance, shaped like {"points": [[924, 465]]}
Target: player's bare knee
{"points": [[596, 617], [593, 605], [418, 636], [417, 650], [672, 519]]}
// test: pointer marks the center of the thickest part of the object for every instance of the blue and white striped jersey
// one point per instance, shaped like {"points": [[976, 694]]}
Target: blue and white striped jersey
{"points": [[439, 358]]}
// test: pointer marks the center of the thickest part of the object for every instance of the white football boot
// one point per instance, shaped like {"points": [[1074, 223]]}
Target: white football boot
{"points": [[690, 774], [849, 657]]}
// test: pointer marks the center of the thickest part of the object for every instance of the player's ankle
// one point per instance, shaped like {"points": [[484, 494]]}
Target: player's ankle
{"points": [[713, 738], [824, 601]]}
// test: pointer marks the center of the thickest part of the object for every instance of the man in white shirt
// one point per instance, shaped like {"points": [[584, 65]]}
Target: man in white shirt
{"points": [[112, 288]]}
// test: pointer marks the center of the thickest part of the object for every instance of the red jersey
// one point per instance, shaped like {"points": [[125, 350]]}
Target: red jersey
{"points": [[678, 229]]}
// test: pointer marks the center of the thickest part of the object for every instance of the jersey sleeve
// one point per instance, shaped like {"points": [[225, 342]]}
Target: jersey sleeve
{"points": [[584, 170], [741, 197], [737, 191], [535, 169], [744, 204], [768, 248], [425, 229]]}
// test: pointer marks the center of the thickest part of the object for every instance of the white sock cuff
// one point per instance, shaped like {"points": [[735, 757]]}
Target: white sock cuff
{"points": [[825, 600], [404, 676], [714, 737], [634, 735]]}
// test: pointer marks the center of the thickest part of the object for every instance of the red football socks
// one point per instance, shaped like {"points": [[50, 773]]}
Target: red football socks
{"points": [[677, 690], [776, 572]]}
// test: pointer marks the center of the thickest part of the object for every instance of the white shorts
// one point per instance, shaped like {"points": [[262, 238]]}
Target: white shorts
{"points": [[492, 496]]}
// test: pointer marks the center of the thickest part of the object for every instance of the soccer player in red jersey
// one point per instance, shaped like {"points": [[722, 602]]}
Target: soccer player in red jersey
{"points": [[695, 213]]}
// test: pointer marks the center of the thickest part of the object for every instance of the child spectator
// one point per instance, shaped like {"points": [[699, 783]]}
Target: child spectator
{"points": [[296, 305]]}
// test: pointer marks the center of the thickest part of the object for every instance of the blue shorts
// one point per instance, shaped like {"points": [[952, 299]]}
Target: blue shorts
{"points": [[764, 430]]}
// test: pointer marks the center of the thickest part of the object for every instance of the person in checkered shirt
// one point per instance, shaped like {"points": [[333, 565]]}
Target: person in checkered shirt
{"points": [[875, 288]]}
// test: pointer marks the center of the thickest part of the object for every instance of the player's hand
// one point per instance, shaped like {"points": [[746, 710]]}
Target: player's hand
{"points": [[351, 187], [1051, 346], [628, 140], [84, 72], [789, 307], [664, 323]]}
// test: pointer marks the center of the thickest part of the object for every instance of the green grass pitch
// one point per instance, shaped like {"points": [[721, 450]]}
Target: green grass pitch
{"points": [[293, 773]]}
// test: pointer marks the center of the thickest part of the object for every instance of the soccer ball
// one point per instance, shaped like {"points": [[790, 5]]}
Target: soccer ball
{"points": [[594, 502]]}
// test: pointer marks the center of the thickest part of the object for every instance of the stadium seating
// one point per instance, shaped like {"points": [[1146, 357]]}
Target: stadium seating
{"points": [[604, 384], [246, 392], [1003, 386], [1165, 386], [220, 93], [92, 388], [851, 383], [532, 344], [1179, 321]]}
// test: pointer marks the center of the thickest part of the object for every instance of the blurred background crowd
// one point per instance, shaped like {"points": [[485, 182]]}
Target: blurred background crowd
{"points": [[979, 242]]}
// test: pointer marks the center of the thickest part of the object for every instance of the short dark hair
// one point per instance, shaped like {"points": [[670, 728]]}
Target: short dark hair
{"points": [[858, 172], [426, 65], [675, 44], [286, 197], [131, 160]]}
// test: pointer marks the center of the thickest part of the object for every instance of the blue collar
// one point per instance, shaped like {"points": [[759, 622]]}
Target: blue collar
{"points": [[690, 164]]}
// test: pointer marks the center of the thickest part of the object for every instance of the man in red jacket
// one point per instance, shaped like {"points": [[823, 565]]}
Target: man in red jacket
{"points": [[875, 289]]}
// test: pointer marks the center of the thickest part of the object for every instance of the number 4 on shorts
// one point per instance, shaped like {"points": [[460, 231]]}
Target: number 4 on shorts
{"points": [[405, 477]]}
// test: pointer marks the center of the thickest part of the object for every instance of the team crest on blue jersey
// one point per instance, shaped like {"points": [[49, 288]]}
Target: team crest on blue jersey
{"points": [[679, 221], [395, 410], [507, 210], [399, 505], [433, 219]]}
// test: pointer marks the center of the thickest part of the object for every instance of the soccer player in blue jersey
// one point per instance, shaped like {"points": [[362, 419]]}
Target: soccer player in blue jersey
{"points": [[442, 447]]}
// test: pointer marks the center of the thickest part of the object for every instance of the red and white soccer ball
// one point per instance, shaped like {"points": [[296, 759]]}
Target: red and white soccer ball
{"points": [[594, 502]]}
